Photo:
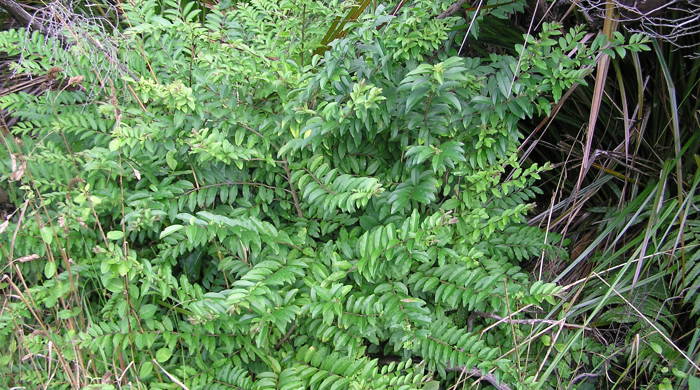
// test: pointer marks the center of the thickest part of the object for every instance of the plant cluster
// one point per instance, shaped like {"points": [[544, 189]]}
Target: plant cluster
{"points": [[216, 206]]}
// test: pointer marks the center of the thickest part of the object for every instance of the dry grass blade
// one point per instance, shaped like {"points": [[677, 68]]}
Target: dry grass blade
{"points": [[336, 29], [170, 376], [609, 26]]}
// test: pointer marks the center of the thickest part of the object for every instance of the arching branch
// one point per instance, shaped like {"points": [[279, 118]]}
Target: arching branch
{"points": [[21, 15]]}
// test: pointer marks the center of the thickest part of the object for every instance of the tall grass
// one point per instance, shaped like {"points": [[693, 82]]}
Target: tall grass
{"points": [[624, 192]]}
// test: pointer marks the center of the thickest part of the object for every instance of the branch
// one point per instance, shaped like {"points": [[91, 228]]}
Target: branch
{"points": [[23, 17], [456, 6], [533, 321], [451, 10], [231, 183], [19, 14], [295, 197], [483, 376], [580, 377], [286, 337]]}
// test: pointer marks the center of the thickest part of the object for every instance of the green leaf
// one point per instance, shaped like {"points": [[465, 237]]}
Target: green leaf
{"points": [[163, 354], [432, 385], [49, 269], [656, 347], [417, 95], [46, 234], [114, 285], [693, 383], [170, 159], [147, 311], [115, 235], [546, 340], [66, 314], [145, 370], [678, 373], [170, 230], [665, 384]]}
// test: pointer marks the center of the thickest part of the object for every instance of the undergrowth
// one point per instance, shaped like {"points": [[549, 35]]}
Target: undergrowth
{"points": [[322, 195]]}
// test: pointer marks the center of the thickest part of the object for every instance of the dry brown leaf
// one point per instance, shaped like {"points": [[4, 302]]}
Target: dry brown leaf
{"points": [[19, 165], [25, 259], [75, 80]]}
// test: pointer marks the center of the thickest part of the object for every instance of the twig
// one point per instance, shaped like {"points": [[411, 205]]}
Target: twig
{"points": [[531, 321], [20, 15], [170, 376], [451, 10], [286, 337], [29, 303], [483, 376], [295, 197], [581, 377], [23, 17], [25, 259], [666, 20], [470, 319], [231, 183], [455, 7]]}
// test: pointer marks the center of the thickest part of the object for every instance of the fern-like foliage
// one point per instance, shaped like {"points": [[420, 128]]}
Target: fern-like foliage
{"points": [[235, 212]]}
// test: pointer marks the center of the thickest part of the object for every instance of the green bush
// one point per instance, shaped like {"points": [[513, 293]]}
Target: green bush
{"points": [[212, 206]]}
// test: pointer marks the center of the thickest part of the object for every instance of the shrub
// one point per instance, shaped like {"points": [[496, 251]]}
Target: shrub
{"points": [[212, 206]]}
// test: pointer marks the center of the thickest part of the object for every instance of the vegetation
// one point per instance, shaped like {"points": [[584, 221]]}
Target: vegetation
{"points": [[297, 194]]}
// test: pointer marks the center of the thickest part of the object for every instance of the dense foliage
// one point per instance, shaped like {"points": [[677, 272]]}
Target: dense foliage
{"points": [[245, 198]]}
